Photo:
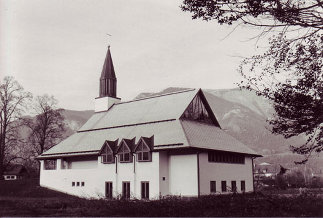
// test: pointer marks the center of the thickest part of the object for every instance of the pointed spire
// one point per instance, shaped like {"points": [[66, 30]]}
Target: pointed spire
{"points": [[108, 80], [108, 69]]}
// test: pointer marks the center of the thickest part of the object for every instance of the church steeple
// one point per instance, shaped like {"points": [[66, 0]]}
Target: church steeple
{"points": [[108, 80], [108, 86]]}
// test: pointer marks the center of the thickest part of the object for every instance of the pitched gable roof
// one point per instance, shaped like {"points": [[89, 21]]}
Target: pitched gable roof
{"points": [[130, 143], [146, 110], [147, 141], [111, 144], [158, 116]]}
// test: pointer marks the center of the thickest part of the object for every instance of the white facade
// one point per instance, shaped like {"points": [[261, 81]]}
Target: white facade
{"points": [[167, 174], [104, 103]]}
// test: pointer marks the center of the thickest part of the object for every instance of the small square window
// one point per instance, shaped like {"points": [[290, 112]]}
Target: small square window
{"points": [[164, 178], [77, 183], [82, 183], [73, 183]]}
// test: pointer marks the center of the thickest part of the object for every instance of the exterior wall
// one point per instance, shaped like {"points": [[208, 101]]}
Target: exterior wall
{"points": [[183, 175], [163, 173], [85, 164], [180, 172], [211, 171], [95, 178], [104, 103]]}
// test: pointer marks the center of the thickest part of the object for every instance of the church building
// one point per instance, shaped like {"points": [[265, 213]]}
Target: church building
{"points": [[169, 144]]}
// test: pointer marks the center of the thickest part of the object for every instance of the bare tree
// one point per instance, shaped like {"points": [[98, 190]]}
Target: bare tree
{"points": [[47, 128], [13, 100]]}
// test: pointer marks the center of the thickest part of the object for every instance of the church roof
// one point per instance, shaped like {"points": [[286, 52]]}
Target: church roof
{"points": [[108, 69], [158, 116], [145, 110]]}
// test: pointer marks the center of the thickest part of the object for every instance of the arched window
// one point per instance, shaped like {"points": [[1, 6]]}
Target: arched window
{"points": [[107, 155], [124, 154], [143, 152]]}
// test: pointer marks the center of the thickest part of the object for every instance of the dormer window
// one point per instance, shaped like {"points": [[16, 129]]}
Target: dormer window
{"points": [[107, 152], [143, 149], [107, 155], [143, 152], [124, 154]]}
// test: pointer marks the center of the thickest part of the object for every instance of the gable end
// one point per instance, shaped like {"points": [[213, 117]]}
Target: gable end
{"points": [[199, 110]]}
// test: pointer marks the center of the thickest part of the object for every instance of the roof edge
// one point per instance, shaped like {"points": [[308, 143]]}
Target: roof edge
{"points": [[156, 96]]}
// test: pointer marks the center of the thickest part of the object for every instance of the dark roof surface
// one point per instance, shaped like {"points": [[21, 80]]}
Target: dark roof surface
{"points": [[108, 69]]}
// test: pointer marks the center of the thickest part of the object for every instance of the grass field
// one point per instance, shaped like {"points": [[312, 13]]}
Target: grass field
{"points": [[26, 198]]}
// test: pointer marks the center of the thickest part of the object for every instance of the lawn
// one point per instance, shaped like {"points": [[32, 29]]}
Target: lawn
{"points": [[26, 198]]}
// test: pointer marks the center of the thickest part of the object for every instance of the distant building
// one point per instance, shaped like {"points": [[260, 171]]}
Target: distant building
{"points": [[171, 144], [15, 172], [265, 170]]}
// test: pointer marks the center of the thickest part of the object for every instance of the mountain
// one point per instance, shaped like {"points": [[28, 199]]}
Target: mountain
{"points": [[75, 119]]}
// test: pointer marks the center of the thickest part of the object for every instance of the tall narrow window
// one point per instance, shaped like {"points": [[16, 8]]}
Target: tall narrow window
{"points": [[143, 152], [125, 154], [107, 155], [108, 190], [144, 190], [243, 186], [212, 186], [233, 186], [224, 186], [126, 190]]}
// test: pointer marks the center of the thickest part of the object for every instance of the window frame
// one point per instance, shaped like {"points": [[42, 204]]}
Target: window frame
{"points": [[126, 189], [107, 152], [47, 165], [243, 187], [145, 190], [212, 186], [234, 186], [122, 153], [224, 186], [140, 153], [224, 157], [109, 189]]}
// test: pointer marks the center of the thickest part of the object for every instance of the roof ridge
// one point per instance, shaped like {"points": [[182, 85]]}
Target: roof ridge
{"points": [[156, 96]]}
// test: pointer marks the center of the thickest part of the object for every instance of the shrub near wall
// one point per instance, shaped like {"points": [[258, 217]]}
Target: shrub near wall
{"points": [[225, 205]]}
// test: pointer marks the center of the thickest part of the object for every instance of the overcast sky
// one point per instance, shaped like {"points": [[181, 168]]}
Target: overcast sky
{"points": [[58, 47]]}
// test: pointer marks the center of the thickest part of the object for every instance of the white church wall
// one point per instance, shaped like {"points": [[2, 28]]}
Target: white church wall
{"points": [[147, 172], [163, 173], [211, 171], [79, 182], [94, 179], [85, 164], [183, 175], [104, 103]]}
